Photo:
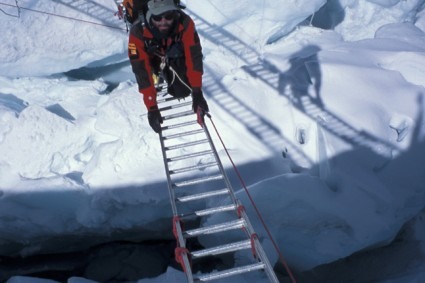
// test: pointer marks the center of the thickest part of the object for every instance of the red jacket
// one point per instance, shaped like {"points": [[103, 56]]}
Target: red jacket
{"points": [[144, 63]]}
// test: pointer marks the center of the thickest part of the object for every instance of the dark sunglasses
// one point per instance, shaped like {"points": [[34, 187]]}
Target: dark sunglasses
{"points": [[168, 16]]}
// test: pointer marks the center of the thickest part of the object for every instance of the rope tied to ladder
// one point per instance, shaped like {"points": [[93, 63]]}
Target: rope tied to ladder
{"points": [[179, 253], [240, 210], [176, 220], [254, 237]]}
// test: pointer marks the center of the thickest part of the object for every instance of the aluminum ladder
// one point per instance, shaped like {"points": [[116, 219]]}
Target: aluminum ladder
{"points": [[199, 190]]}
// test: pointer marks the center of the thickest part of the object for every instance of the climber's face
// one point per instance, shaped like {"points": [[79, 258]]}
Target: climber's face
{"points": [[164, 22]]}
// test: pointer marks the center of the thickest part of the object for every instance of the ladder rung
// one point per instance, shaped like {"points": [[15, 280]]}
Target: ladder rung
{"points": [[161, 92], [194, 132], [166, 99], [231, 225], [198, 181], [209, 211], [230, 272], [174, 106], [185, 144], [177, 115], [190, 155], [191, 168], [175, 126], [232, 247], [203, 195]]}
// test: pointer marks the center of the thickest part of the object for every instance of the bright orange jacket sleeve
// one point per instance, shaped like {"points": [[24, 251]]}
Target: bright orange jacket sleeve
{"points": [[141, 67]]}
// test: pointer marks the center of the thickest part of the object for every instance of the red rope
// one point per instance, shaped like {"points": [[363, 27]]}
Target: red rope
{"points": [[281, 258], [61, 16]]}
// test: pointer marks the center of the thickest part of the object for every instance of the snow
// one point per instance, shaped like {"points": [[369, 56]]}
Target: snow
{"points": [[325, 122]]}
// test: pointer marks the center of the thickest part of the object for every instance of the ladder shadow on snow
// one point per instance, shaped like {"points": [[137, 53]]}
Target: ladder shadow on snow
{"points": [[262, 129], [94, 10], [259, 127], [301, 84]]}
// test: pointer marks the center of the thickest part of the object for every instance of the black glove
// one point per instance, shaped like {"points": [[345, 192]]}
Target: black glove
{"points": [[198, 100], [155, 119]]}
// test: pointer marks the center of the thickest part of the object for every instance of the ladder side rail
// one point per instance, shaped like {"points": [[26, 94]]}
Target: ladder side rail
{"points": [[186, 263], [167, 172], [261, 253], [219, 164], [180, 238], [178, 230], [258, 247]]}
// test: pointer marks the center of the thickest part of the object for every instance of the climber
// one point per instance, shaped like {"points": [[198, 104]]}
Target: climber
{"points": [[167, 44]]}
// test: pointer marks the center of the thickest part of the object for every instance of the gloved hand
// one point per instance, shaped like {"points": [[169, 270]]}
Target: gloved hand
{"points": [[198, 100], [155, 119]]}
